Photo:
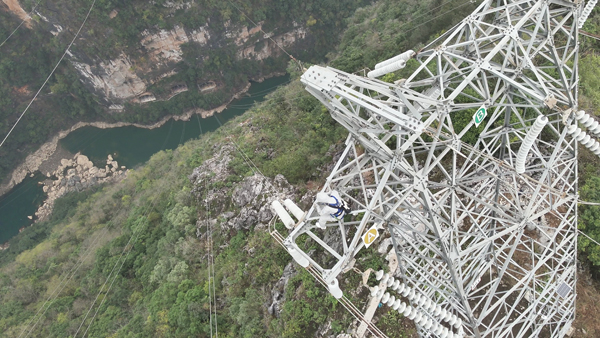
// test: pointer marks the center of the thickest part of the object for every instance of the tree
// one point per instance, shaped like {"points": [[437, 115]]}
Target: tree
{"points": [[589, 221]]}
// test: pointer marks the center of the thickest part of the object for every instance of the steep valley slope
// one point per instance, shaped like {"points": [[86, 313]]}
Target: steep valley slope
{"points": [[139, 62], [132, 259]]}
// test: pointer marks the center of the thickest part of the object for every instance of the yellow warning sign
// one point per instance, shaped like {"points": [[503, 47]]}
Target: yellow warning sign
{"points": [[370, 236]]}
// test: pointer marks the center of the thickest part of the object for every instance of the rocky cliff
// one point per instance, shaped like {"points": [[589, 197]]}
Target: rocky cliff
{"points": [[125, 78]]}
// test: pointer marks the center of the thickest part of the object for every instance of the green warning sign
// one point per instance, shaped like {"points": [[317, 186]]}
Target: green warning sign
{"points": [[479, 116]]}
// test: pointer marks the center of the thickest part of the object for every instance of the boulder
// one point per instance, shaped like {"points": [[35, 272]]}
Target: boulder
{"points": [[82, 160], [64, 163], [246, 219]]}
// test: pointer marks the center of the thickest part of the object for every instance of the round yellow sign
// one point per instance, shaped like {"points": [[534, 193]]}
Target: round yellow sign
{"points": [[370, 236]]}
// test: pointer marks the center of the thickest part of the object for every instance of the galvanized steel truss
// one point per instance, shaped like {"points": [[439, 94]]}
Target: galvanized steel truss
{"points": [[494, 247]]}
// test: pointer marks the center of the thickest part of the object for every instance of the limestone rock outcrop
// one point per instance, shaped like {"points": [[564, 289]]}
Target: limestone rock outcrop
{"points": [[278, 291], [77, 174], [125, 78], [251, 196]]}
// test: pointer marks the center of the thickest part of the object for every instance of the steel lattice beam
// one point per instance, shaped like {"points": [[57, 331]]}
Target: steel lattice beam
{"points": [[495, 247]]}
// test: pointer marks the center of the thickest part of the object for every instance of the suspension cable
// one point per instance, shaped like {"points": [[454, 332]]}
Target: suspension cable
{"points": [[62, 284], [590, 238], [132, 240], [51, 73], [245, 158], [208, 259], [211, 267], [210, 262], [269, 37], [21, 24]]}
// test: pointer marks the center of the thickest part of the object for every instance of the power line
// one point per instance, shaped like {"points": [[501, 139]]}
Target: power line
{"points": [[265, 34], [587, 203], [62, 284], [424, 14], [211, 267], [453, 9], [135, 233], [209, 262], [589, 35], [245, 158], [590, 238], [22, 22], [51, 73], [208, 257]]}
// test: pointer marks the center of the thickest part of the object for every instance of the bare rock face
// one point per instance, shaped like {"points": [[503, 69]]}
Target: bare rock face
{"points": [[278, 291], [113, 79], [165, 46], [270, 47], [251, 197], [123, 79]]}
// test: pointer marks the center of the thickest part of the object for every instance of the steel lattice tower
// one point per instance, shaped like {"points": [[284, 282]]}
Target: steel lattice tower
{"points": [[483, 219]]}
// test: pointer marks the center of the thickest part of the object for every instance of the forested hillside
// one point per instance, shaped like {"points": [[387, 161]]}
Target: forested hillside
{"points": [[130, 260], [131, 49]]}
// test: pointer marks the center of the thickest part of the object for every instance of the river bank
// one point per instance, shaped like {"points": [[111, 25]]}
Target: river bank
{"points": [[128, 144], [76, 174], [36, 160]]}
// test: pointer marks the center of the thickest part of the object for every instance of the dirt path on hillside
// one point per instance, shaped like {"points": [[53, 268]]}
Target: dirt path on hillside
{"points": [[15, 7]]}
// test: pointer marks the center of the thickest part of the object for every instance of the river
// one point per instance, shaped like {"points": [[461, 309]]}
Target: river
{"points": [[130, 146]]}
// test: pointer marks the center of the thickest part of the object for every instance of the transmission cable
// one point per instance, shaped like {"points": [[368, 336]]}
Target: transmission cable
{"points": [[451, 10], [134, 236], [589, 35], [62, 284], [269, 37], [590, 238], [22, 22], [253, 167], [209, 241], [207, 221], [212, 297], [424, 14], [267, 90], [51, 73]]}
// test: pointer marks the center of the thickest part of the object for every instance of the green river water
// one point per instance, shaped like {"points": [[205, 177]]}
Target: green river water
{"points": [[130, 146]]}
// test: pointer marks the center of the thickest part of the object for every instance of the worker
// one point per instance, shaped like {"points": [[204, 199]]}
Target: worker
{"points": [[331, 207]]}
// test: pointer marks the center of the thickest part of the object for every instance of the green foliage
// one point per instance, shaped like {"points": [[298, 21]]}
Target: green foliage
{"points": [[387, 28], [589, 220], [589, 72], [162, 289], [246, 313], [115, 28], [389, 323], [294, 138]]}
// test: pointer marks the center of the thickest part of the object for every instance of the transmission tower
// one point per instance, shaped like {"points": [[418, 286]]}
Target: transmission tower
{"points": [[470, 164]]}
